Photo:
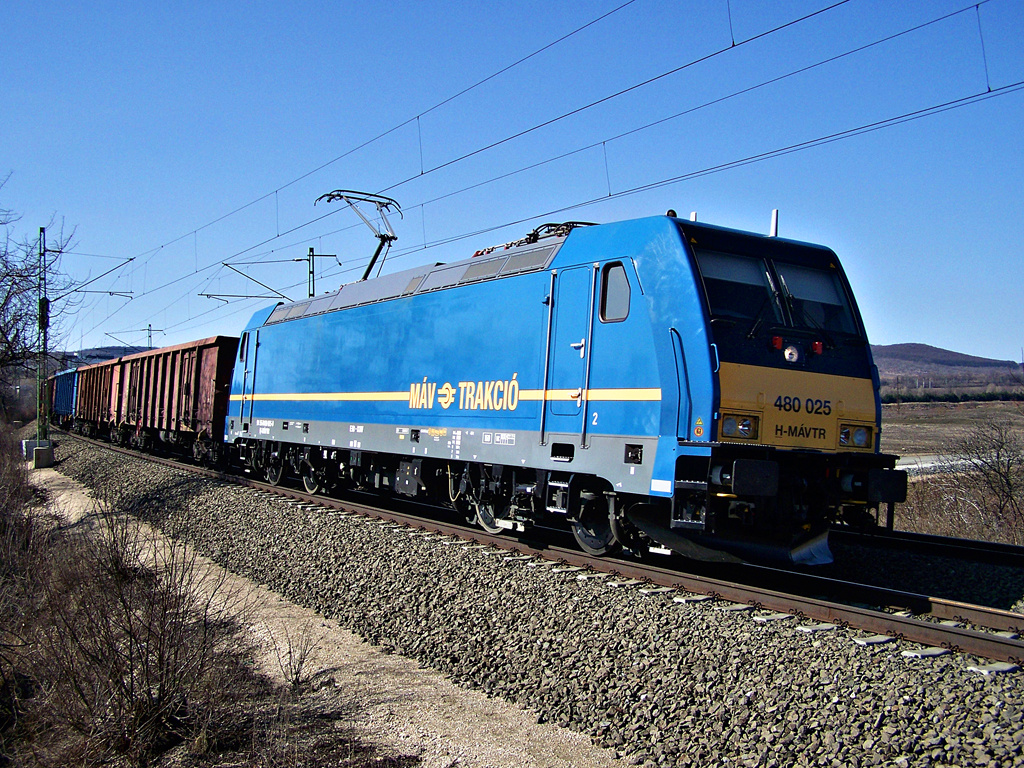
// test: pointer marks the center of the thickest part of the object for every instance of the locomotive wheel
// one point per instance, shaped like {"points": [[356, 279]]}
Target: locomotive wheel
{"points": [[275, 471], [487, 517], [593, 531], [309, 479]]}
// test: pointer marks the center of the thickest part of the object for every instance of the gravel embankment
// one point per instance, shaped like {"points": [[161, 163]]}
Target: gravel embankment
{"points": [[661, 682]]}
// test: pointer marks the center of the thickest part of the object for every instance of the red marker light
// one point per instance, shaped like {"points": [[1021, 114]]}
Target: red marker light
{"points": [[817, 347], [777, 342]]}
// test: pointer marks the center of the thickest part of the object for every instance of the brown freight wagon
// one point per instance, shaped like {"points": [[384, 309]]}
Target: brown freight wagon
{"points": [[175, 395], [92, 404]]}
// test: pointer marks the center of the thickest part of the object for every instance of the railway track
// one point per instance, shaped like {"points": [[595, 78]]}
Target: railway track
{"points": [[940, 625], [935, 546]]}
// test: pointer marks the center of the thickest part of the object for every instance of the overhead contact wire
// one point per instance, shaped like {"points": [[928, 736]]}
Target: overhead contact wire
{"points": [[478, 151], [391, 130]]}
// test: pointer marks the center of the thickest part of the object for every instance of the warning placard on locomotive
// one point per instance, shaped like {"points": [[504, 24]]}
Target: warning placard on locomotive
{"points": [[499, 438]]}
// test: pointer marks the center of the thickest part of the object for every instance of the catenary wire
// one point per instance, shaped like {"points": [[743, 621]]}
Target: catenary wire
{"points": [[748, 160], [725, 166], [765, 83], [378, 137], [477, 151]]}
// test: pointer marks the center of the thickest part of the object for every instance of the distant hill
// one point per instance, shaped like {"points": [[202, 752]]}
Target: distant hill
{"points": [[95, 355], [920, 371], [925, 356]]}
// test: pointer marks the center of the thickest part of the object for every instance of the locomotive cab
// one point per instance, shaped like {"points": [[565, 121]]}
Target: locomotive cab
{"points": [[796, 428]]}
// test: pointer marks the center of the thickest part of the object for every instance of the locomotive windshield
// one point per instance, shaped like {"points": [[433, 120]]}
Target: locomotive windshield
{"points": [[773, 292], [738, 287], [815, 298]]}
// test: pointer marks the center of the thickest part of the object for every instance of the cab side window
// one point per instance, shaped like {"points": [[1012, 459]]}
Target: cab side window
{"points": [[614, 294]]}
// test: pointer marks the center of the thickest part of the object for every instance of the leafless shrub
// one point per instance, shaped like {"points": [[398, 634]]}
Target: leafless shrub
{"points": [[117, 646], [14, 487], [135, 650], [22, 537], [294, 654], [994, 459]]}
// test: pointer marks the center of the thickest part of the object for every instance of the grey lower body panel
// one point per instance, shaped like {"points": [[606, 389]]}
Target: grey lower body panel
{"points": [[624, 461]]}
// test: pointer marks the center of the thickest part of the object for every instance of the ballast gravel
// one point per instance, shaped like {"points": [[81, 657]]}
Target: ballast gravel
{"points": [[982, 583], [661, 682]]}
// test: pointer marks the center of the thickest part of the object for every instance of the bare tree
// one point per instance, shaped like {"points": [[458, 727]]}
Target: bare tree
{"points": [[994, 456], [20, 276]]}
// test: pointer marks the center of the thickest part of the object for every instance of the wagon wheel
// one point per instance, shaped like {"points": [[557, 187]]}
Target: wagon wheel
{"points": [[487, 516], [203, 453], [593, 530]]}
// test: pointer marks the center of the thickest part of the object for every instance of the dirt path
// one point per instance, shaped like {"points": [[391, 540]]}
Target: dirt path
{"points": [[396, 704]]}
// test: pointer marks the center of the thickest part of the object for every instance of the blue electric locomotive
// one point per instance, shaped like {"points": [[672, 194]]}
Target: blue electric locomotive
{"points": [[649, 383]]}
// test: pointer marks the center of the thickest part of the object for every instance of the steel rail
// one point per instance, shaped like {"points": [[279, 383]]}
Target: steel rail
{"points": [[898, 626], [945, 546]]}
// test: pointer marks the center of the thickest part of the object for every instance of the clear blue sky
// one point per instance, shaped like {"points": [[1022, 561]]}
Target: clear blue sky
{"points": [[144, 125]]}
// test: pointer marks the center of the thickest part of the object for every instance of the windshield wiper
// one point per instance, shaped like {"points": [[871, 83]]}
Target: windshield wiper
{"points": [[774, 294], [805, 318], [758, 318]]}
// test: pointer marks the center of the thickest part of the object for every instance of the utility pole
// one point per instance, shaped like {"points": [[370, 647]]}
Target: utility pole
{"points": [[41, 450], [148, 329], [42, 415]]}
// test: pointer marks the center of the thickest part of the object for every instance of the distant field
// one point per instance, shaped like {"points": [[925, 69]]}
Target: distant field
{"points": [[926, 428]]}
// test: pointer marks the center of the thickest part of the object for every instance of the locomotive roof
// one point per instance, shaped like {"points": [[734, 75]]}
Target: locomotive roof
{"points": [[490, 264], [532, 254]]}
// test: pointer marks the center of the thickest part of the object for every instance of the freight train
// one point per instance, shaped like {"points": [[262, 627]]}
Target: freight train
{"points": [[651, 384]]}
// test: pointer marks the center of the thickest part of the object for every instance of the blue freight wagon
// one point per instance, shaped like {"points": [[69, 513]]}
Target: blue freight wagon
{"points": [[65, 391]]}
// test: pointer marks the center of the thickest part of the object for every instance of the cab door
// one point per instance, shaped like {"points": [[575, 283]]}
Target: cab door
{"points": [[569, 351], [248, 349]]}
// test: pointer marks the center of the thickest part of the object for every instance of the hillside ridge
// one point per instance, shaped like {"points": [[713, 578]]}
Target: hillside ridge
{"points": [[925, 356]]}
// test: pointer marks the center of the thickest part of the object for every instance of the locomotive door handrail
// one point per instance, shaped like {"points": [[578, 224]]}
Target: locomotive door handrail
{"points": [[589, 350], [565, 393], [243, 358], [683, 385], [547, 359], [254, 347]]}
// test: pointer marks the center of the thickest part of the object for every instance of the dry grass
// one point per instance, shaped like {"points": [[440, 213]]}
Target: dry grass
{"points": [[977, 489], [118, 647], [930, 428]]}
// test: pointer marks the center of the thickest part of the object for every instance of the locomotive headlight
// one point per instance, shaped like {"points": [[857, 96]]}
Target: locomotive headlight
{"points": [[743, 427], [858, 437]]}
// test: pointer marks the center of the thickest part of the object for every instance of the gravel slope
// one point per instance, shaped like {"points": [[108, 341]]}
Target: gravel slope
{"points": [[663, 683]]}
